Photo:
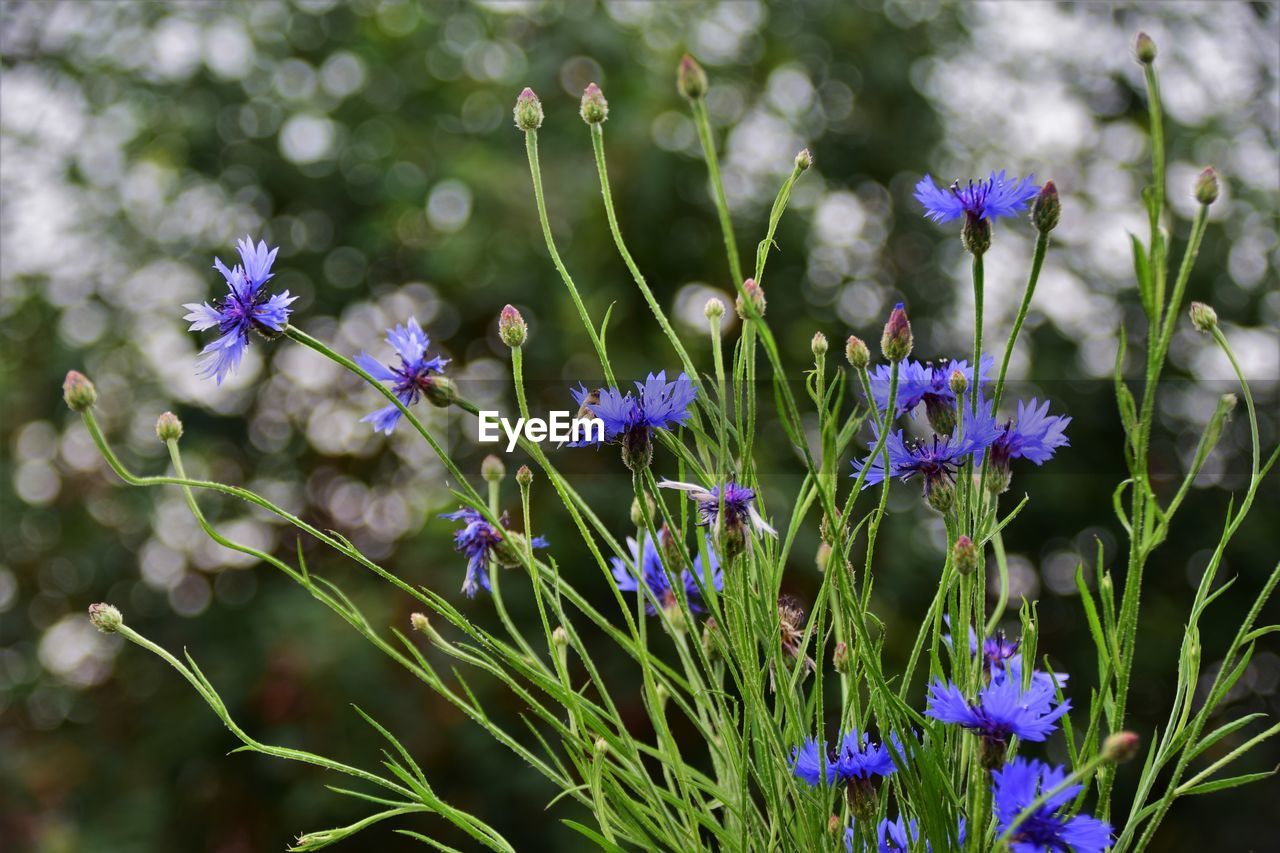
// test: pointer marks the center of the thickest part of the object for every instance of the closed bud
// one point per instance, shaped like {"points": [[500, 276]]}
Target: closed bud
{"points": [[637, 517], [691, 80], [594, 108], [965, 555], [418, 622], [840, 657], [105, 618], [958, 383], [823, 557], [818, 345], [661, 694], [1046, 210], [713, 311], [511, 327], [559, 637], [528, 111], [78, 391], [440, 391], [804, 159], [1145, 49], [1203, 317], [524, 476], [602, 746], [710, 638], [1213, 432], [1121, 747], [857, 353], [834, 824], [1207, 186], [168, 427], [896, 342], [492, 469], [976, 234], [755, 293]]}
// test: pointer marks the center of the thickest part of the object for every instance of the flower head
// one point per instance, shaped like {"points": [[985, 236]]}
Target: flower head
{"points": [[630, 418], [928, 383], [247, 306], [647, 567], [1002, 659], [987, 199], [479, 541], [897, 836], [1002, 710], [734, 505], [857, 758], [1033, 435], [1050, 828], [409, 379]]}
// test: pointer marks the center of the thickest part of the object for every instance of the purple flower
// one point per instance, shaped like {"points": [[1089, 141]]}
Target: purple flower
{"points": [[990, 199], [810, 762], [410, 379], [1050, 828], [739, 506], [857, 760], [1034, 434], [1002, 710], [1002, 658], [646, 562], [479, 541], [630, 418], [925, 382], [247, 306]]}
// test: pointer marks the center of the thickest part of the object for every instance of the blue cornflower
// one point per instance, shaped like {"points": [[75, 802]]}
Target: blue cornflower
{"points": [[646, 561], [857, 764], [410, 379], [928, 383], [936, 461], [1002, 658], [1003, 709], [897, 836], [630, 418], [479, 541], [1034, 435], [247, 306], [992, 198], [1050, 828], [739, 512]]}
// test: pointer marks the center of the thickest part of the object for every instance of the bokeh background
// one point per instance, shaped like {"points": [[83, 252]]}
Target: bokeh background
{"points": [[372, 141]]}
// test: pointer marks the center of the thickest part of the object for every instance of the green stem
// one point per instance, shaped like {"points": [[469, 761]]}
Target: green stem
{"points": [[702, 121]]}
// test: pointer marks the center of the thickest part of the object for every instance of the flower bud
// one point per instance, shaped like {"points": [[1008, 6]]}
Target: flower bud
{"points": [[1121, 747], [637, 517], [958, 383], [440, 391], [661, 694], [559, 637], [1203, 317], [1145, 49], [710, 638], [804, 159], [511, 327], [834, 824], [975, 236], [713, 311], [78, 391], [941, 413], [857, 353], [818, 345], [594, 108], [105, 618], [419, 622], [896, 341], [524, 476], [940, 493], [528, 111], [1046, 210], [602, 746], [670, 548], [691, 80], [492, 469], [1213, 431], [840, 657], [168, 427], [755, 293], [965, 555], [823, 556], [1207, 186]]}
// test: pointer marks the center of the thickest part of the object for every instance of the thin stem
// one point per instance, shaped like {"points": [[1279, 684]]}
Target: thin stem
{"points": [[703, 122]]}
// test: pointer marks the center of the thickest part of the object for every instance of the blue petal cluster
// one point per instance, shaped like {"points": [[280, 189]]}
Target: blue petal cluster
{"points": [[992, 198], [1033, 435], [897, 836], [1002, 710], [647, 560], [655, 404], [409, 379], [246, 307], [479, 541], [739, 505], [1051, 827], [857, 759], [934, 461], [924, 382]]}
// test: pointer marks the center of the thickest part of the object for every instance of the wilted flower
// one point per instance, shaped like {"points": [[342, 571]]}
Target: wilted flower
{"points": [[646, 562], [410, 379], [1050, 827], [479, 541], [739, 511], [791, 617], [246, 307]]}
